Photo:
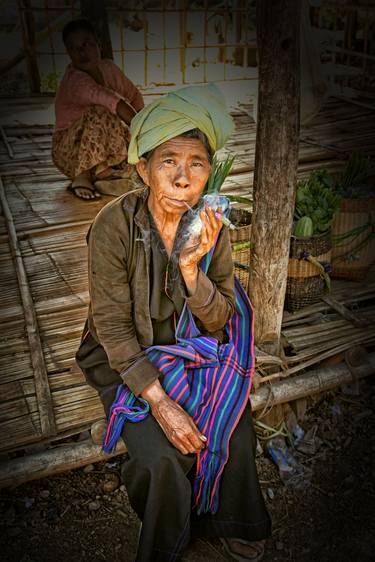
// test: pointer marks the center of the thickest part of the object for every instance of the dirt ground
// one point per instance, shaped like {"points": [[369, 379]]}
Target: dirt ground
{"points": [[331, 518]]}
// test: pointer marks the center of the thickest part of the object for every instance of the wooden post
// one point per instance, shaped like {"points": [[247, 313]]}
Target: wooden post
{"points": [[276, 160], [95, 11], [29, 44]]}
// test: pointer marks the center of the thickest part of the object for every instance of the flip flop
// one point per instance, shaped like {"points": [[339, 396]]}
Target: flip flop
{"points": [[73, 189], [258, 547]]}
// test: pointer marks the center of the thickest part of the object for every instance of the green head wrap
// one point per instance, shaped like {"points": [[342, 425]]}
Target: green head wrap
{"points": [[193, 107]]}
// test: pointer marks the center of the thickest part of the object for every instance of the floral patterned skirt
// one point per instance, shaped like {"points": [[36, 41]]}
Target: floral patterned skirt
{"points": [[98, 138]]}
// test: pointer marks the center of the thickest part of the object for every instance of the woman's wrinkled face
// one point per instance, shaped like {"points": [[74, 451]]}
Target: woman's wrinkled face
{"points": [[176, 174], [83, 49]]}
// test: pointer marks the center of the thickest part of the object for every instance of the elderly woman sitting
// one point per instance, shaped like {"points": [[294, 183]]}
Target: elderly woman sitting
{"points": [[168, 341], [94, 105]]}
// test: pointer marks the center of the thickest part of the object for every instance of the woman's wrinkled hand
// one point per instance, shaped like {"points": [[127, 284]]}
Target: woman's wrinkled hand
{"points": [[197, 247], [178, 426]]}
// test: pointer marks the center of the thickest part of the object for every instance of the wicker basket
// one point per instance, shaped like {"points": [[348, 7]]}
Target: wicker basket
{"points": [[241, 259], [353, 233], [242, 221], [305, 284]]}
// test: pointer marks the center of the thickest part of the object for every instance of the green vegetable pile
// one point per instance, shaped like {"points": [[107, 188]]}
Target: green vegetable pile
{"points": [[317, 202]]}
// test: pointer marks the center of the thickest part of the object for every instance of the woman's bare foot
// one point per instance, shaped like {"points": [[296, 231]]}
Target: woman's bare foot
{"points": [[82, 187], [85, 193], [243, 551]]}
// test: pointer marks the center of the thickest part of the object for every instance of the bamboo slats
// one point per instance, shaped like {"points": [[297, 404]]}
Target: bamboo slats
{"points": [[51, 228], [46, 413]]}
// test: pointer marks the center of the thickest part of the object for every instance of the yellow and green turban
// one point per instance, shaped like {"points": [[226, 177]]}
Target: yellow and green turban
{"points": [[193, 107]]}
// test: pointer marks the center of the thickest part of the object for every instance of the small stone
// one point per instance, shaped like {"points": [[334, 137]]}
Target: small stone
{"points": [[279, 545], [259, 449], [270, 493], [94, 506], [45, 494], [29, 502], [122, 488], [98, 497], [88, 468], [111, 483], [122, 513]]}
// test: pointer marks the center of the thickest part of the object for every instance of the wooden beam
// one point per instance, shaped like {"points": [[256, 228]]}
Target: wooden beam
{"points": [[276, 161], [63, 458], [53, 461], [96, 12], [312, 382], [29, 44]]}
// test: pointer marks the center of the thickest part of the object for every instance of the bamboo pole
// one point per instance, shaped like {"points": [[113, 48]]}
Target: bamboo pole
{"points": [[6, 142], [47, 419], [29, 44], [53, 461], [68, 457], [313, 382]]}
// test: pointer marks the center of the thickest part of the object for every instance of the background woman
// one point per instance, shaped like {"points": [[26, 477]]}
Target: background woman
{"points": [[94, 105]]}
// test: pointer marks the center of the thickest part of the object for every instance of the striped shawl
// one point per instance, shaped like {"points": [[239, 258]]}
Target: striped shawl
{"points": [[209, 380]]}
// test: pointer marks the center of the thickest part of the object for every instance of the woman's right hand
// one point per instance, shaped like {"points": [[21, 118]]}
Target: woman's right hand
{"points": [[177, 425]]}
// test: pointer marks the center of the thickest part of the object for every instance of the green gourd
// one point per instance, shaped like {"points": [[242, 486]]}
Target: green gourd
{"points": [[304, 227]]}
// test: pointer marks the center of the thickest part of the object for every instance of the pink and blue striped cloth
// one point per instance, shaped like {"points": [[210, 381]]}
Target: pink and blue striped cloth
{"points": [[209, 380]]}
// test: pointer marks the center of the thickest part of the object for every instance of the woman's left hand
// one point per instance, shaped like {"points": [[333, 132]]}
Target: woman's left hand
{"points": [[195, 249]]}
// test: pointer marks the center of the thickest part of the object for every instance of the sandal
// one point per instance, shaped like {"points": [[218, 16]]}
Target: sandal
{"points": [[82, 184], [257, 546]]}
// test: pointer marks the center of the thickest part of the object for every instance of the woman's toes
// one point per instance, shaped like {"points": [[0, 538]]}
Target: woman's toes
{"points": [[85, 193], [250, 550]]}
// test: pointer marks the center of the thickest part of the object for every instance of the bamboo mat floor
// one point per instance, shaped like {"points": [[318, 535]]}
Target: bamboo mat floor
{"points": [[51, 226]]}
